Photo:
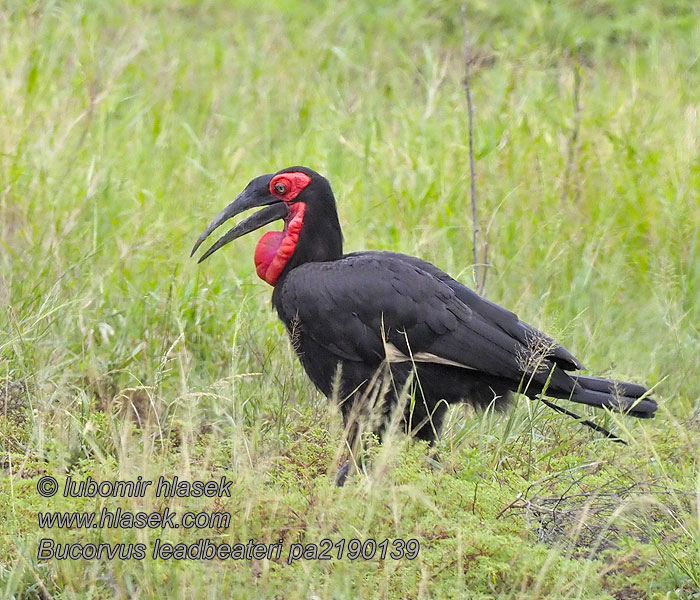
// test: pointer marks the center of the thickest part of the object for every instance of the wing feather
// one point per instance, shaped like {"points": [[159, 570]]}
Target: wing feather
{"points": [[354, 306]]}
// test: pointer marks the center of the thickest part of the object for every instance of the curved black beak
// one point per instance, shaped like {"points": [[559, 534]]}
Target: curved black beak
{"points": [[256, 193]]}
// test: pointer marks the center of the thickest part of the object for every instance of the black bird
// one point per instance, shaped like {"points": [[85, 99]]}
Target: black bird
{"points": [[372, 328]]}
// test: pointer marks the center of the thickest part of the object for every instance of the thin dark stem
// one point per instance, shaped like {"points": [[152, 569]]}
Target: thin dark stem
{"points": [[480, 281], [573, 139]]}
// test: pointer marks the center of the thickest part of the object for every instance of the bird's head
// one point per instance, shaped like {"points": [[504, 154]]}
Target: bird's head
{"points": [[300, 197]]}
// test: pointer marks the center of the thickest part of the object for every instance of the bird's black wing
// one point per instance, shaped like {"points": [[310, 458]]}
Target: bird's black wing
{"points": [[359, 306], [497, 315]]}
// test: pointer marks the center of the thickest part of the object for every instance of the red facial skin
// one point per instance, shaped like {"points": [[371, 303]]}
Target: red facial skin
{"points": [[276, 247], [293, 184]]}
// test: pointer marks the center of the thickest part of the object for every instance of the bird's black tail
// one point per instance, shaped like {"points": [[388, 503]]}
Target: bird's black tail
{"points": [[619, 396]]}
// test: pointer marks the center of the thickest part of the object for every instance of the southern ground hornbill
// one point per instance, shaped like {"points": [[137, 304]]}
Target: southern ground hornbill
{"points": [[377, 330]]}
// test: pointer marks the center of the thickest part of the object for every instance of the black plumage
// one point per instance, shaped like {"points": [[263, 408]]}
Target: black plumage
{"points": [[394, 323]]}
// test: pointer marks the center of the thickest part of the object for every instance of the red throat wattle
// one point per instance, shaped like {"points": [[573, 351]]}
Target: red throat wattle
{"points": [[275, 248]]}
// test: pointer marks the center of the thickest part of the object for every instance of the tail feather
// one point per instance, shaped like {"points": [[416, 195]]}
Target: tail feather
{"points": [[600, 384], [619, 396]]}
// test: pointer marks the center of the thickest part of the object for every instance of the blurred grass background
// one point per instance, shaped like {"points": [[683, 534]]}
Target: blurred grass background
{"points": [[126, 127]]}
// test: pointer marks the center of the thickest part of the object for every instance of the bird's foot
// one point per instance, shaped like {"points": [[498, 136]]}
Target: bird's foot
{"points": [[342, 474]]}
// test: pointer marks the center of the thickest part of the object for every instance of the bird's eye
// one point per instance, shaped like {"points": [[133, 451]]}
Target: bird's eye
{"points": [[280, 189]]}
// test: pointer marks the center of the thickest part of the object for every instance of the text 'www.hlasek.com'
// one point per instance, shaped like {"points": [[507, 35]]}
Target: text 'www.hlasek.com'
{"points": [[217, 547]]}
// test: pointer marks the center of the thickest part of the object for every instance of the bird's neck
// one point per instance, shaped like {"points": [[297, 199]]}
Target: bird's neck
{"points": [[304, 238]]}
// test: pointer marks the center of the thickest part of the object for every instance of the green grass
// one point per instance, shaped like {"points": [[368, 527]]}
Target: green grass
{"points": [[125, 128]]}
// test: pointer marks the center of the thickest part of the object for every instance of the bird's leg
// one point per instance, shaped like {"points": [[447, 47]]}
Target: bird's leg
{"points": [[360, 425], [345, 468], [351, 438], [428, 429], [365, 412]]}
